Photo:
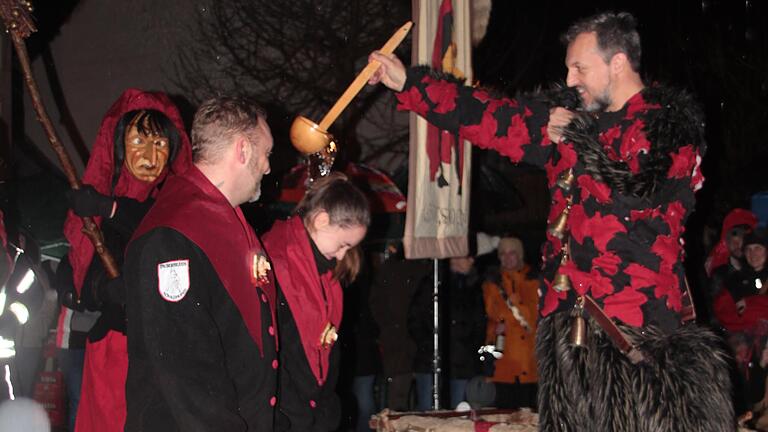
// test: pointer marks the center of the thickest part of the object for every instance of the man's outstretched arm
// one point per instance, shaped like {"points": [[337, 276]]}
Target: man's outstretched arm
{"points": [[515, 128]]}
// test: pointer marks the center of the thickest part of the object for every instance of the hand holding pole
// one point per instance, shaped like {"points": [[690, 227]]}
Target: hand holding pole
{"points": [[19, 25]]}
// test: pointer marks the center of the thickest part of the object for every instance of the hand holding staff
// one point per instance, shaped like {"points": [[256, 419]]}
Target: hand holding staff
{"points": [[19, 25]]}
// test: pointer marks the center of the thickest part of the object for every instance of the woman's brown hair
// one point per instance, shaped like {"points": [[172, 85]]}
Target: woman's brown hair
{"points": [[335, 194], [348, 268], [346, 206]]}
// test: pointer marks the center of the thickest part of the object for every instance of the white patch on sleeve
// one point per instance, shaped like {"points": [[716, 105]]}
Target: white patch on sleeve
{"points": [[697, 174], [173, 279]]}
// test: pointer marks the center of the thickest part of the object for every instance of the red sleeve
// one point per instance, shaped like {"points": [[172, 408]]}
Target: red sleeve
{"points": [[513, 127]]}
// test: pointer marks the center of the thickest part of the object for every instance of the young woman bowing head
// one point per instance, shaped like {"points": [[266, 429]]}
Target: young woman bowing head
{"points": [[310, 253]]}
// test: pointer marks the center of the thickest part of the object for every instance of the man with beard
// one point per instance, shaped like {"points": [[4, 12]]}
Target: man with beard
{"points": [[200, 301], [622, 164], [725, 259]]}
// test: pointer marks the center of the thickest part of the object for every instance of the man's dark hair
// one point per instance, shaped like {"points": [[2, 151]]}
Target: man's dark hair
{"points": [[616, 33]]}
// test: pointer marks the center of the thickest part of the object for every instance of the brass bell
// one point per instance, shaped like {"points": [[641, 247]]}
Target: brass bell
{"points": [[566, 180], [578, 331], [578, 336], [557, 228], [561, 282]]}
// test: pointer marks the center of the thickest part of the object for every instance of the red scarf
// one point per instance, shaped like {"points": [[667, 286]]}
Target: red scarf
{"points": [[192, 205], [314, 300], [101, 167]]}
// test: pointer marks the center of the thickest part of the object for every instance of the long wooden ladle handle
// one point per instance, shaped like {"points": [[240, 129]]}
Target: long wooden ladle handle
{"points": [[363, 77]]}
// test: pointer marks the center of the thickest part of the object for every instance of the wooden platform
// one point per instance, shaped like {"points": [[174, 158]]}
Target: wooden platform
{"points": [[485, 420]]}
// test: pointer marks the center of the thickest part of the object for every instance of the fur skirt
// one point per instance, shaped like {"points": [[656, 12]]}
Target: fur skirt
{"points": [[684, 385]]}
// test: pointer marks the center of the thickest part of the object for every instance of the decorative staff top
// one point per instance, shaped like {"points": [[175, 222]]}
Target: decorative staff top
{"points": [[17, 17]]}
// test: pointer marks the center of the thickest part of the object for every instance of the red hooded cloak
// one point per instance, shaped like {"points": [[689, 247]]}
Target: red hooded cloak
{"points": [[102, 400]]}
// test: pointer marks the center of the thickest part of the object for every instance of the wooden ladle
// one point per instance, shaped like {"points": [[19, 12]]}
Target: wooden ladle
{"points": [[309, 137]]}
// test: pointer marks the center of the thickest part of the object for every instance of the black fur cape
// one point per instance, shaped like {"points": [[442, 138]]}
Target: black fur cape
{"points": [[678, 122]]}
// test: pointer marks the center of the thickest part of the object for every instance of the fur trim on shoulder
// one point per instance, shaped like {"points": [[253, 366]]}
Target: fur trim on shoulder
{"points": [[558, 95], [678, 122]]}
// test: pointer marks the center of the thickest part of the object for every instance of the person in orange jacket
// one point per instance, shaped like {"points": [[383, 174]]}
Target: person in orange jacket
{"points": [[511, 302]]}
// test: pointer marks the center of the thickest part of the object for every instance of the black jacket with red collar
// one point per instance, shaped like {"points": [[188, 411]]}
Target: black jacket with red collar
{"points": [[202, 348]]}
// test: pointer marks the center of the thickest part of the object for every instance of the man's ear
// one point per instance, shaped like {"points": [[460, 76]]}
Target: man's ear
{"points": [[242, 149], [619, 62], [320, 219]]}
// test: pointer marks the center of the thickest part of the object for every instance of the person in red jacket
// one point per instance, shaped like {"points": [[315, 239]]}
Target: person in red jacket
{"points": [[141, 140], [622, 160], [726, 258], [727, 251], [310, 253], [742, 310]]}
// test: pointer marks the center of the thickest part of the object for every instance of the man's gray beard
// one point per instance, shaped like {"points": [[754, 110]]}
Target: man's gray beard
{"points": [[596, 106], [255, 197], [599, 104]]}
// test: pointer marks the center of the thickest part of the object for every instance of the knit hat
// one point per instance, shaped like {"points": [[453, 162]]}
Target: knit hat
{"points": [[758, 236]]}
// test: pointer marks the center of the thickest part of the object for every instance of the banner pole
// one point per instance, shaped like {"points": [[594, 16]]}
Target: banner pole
{"points": [[436, 372]]}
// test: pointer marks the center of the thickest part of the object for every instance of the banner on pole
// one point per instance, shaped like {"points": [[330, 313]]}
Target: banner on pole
{"points": [[439, 166]]}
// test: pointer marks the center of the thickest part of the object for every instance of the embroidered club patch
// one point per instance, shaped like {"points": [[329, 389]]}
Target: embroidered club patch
{"points": [[173, 279]]}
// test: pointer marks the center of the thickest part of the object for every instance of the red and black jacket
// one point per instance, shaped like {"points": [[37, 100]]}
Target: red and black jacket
{"points": [[636, 171]]}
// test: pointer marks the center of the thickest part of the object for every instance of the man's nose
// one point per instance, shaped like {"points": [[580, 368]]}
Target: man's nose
{"points": [[570, 79]]}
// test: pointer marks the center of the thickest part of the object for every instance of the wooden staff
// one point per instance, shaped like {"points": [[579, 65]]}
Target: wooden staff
{"points": [[17, 18]]}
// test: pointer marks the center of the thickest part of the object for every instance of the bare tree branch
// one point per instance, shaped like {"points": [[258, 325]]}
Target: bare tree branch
{"points": [[300, 56]]}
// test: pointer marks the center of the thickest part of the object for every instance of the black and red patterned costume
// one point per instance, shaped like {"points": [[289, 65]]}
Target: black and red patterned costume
{"points": [[635, 174]]}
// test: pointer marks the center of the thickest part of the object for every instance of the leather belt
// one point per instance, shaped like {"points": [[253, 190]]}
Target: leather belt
{"points": [[619, 338], [688, 312]]}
